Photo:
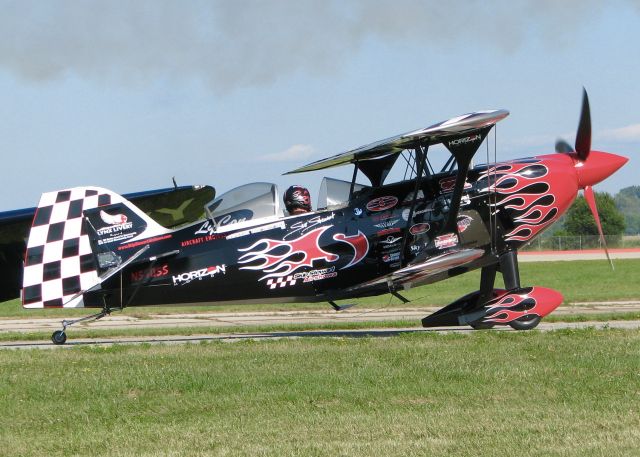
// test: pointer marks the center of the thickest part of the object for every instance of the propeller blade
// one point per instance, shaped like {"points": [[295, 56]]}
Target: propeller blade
{"points": [[583, 137], [563, 147], [590, 197]]}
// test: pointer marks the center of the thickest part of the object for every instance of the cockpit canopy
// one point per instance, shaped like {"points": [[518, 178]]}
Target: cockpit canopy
{"points": [[257, 200], [247, 204]]}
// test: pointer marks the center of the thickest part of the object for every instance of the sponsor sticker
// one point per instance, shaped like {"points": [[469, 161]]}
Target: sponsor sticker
{"points": [[316, 275], [209, 272], [118, 228], [447, 184], [388, 231], [391, 257], [382, 203], [136, 244], [200, 240], [262, 228], [464, 222], [446, 241], [465, 140], [391, 240], [416, 212], [417, 229], [416, 248], [387, 223]]}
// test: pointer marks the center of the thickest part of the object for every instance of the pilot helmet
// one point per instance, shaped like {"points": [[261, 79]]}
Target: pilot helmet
{"points": [[297, 197]]}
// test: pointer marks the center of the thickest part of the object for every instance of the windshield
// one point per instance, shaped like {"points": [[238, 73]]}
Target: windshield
{"points": [[335, 192], [244, 203]]}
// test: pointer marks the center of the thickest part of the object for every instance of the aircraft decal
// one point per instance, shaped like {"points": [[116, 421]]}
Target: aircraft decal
{"points": [[282, 258], [209, 272], [417, 229], [359, 243], [447, 184], [464, 222], [531, 202], [528, 301], [382, 203], [116, 219]]}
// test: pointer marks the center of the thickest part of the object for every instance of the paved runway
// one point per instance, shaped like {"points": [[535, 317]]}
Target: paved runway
{"points": [[231, 337], [237, 319]]}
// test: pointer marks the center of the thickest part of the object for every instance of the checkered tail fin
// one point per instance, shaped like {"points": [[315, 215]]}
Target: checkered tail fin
{"points": [[75, 237]]}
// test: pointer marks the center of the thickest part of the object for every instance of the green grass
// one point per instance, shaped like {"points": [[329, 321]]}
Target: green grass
{"points": [[565, 393], [578, 281]]}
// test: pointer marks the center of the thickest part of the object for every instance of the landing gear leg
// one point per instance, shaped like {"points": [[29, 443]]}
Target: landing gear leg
{"points": [[487, 281], [511, 275], [60, 336]]}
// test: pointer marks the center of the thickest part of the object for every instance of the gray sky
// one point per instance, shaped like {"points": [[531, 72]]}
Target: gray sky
{"points": [[126, 95]]}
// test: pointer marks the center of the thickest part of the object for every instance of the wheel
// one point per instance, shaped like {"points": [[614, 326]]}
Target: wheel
{"points": [[482, 325], [59, 337], [528, 322]]}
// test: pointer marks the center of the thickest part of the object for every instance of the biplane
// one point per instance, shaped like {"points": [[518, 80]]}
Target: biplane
{"points": [[90, 247]]}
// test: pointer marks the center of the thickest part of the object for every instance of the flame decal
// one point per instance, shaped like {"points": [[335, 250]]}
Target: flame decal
{"points": [[358, 242], [508, 307], [278, 264], [520, 191]]}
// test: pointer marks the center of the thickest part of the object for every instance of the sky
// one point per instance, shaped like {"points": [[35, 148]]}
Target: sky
{"points": [[126, 95]]}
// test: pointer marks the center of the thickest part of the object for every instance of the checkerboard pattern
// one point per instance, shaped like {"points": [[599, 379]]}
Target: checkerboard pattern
{"points": [[59, 262], [282, 282]]}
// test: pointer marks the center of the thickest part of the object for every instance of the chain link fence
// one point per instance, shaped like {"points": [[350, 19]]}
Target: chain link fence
{"points": [[575, 243]]}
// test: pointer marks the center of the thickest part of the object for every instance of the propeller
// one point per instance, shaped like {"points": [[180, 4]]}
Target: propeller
{"points": [[583, 136], [590, 197], [582, 150]]}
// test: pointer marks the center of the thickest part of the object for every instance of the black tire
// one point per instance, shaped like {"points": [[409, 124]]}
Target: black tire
{"points": [[59, 337], [482, 325], [527, 322]]}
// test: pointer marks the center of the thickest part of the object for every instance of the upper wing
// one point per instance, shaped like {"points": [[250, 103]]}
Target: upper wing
{"points": [[431, 135]]}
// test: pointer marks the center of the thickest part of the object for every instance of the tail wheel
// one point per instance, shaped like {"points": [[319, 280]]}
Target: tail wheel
{"points": [[59, 337], [528, 322]]}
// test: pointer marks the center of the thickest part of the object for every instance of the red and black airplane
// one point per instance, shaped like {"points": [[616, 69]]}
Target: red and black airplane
{"points": [[90, 247]]}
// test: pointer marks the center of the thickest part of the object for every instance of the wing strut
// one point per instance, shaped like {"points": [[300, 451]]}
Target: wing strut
{"points": [[421, 157], [463, 148]]}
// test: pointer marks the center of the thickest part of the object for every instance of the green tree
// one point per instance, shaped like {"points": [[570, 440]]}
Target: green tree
{"points": [[628, 202], [580, 221]]}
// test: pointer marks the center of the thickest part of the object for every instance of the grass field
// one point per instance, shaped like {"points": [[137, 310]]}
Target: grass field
{"points": [[579, 281], [564, 393]]}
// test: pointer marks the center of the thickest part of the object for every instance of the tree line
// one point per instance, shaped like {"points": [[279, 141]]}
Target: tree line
{"points": [[619, 215]]}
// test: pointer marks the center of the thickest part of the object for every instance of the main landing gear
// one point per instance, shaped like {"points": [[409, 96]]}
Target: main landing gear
{"points": [[519, 307], [60, 337]]}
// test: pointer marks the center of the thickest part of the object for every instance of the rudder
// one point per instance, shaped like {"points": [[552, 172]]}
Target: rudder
{"points": [[74, 235]]}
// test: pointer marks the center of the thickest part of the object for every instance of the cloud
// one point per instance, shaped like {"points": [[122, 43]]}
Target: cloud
{"points": [[630, 133], [294, 153], [233, 44]]}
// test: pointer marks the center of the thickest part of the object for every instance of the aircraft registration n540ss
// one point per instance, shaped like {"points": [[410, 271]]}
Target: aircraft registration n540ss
{"points": [[90, 247]]}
